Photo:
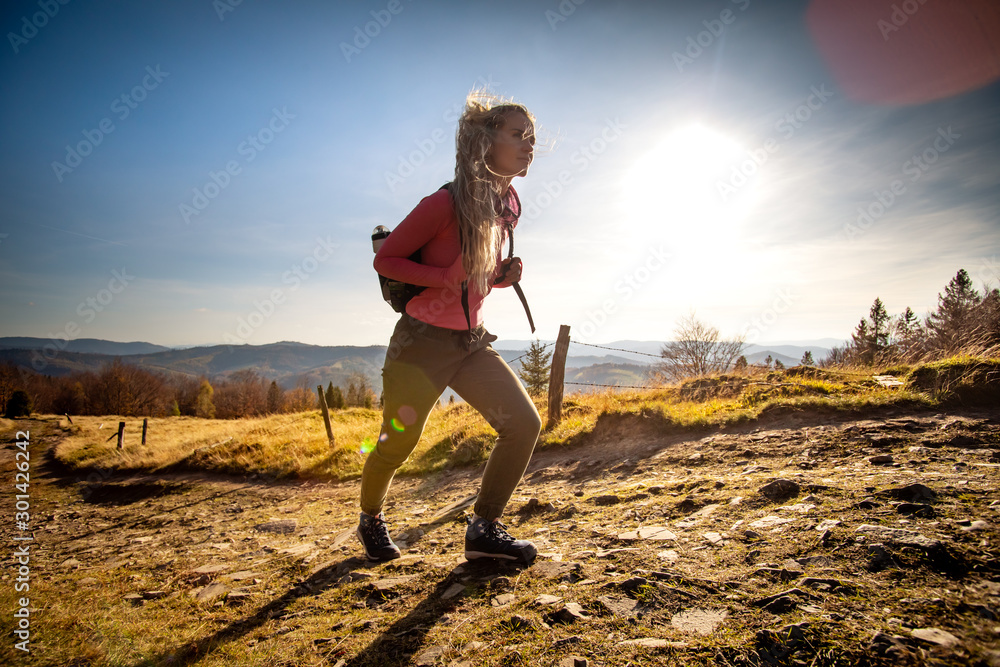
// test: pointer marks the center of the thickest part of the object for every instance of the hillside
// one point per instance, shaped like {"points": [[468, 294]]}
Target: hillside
{"points": [[814, 533]]}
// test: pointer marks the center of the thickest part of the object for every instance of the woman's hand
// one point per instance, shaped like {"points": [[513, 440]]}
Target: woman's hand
{"points": [[510, 271]]}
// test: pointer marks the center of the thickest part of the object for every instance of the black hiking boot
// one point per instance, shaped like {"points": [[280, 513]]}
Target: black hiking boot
{"points": [[490, 539], [374, 536]]}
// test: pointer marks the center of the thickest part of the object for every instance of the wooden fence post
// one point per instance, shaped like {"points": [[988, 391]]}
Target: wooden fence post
{"points": [[121, 433], [326, 414], [145, 424], [557, 375]]}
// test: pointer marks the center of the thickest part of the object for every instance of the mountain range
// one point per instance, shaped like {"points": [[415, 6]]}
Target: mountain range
{"points": [[298, 364]]}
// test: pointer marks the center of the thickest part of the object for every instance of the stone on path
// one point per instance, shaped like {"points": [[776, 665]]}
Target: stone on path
{"points": [[453, 591], [698, 621], [546, 600], [279, 526], [429, 655], [211, 592], [913, 493], [769, 522], [653, 533], [503, 600], [936, 636], [779, 489], [827, 524], [652, 642], [899, 536], [621, 607]]}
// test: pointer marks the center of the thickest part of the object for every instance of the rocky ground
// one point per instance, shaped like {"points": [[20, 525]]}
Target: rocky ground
{"points": [[802, 539]]}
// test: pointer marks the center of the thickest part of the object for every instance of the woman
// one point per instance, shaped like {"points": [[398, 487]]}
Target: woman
{"points": [[440, 341]]}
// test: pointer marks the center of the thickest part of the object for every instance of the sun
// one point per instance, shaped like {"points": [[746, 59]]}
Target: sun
{"points": [[677, 187]]}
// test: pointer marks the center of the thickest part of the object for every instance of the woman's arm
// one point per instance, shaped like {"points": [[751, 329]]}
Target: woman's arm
{"points": [[428, 221]]}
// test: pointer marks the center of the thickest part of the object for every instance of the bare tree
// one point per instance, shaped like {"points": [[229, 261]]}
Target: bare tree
{"points": [[697, 350]]}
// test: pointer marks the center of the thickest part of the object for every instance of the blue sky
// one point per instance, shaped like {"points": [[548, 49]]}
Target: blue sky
{"points": [[200, 172]]}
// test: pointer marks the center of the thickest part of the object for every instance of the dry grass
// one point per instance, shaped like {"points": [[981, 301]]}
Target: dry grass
{"points": [[295, 445]]}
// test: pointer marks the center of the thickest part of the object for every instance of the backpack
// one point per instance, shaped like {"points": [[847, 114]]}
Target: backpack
{"points": [[397, 294]]}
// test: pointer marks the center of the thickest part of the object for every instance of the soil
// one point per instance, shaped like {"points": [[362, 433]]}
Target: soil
{"points": [[878, 547]]}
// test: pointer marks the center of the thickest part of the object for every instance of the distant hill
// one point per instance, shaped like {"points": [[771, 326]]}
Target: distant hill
{"points": [[287, 363], [83, 345]]}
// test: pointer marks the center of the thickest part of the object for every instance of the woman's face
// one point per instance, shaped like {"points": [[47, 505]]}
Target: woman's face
{"points": [[513, 147]]}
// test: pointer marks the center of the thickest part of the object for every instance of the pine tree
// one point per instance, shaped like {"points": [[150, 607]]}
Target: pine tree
{"points": [[337, 402], [807, 359], [908, 335], [778, 366], [741, 365], [535, 367], [953, 324], [275, 398], [328, 396]]}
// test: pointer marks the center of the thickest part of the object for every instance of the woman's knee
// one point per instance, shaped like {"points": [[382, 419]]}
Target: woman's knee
{"points": [[522, 423]]}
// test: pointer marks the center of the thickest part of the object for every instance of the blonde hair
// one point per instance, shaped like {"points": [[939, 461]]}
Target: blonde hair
{"points": [[475, 191]]}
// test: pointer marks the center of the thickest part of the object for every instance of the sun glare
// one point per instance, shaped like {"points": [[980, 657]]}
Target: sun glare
{"points": [[676, 187]]}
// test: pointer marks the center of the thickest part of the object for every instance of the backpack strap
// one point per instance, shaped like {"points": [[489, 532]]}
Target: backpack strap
{"points": [[510, 253]]}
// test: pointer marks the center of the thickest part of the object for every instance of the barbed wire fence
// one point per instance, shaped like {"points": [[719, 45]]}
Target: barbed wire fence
{"points": [[644, 354]]}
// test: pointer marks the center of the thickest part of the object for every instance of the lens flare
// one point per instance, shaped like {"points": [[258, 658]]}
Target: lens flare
{"points": [[397, 425], [367, 445]]}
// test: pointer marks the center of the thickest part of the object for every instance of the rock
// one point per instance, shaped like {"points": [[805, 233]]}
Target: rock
{"points": [[879, 557], [881, 460], [429, 655], [714, 539], [620, 607], [546, 600], [535, 505], [769, 522], [571, 612], [888, 646], [387, 588], [867, 504], [278, 526], [238, 596], [697, 516], [915, 509], [503, 600], [605, 500], [453, 591], [573, 661], [913, 493], [898, 536], [698, 621], [632, 586], [71, 564], [652, 642], [827, 524], [211, 592], [975, 526], [779, 489], [211, 569], [781, 605], [829, 585], [653, 533], [669, 555], [133, 598], [935, 636]]}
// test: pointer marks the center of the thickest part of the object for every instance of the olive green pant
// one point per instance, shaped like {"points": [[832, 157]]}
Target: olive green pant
{"points": [[421, 361]]}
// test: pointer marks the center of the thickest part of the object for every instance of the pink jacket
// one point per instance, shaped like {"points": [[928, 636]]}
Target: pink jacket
{"points": [[432, 228]]}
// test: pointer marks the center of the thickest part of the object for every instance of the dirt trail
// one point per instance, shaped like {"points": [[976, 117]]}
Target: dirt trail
{"points": [[656, 548]]}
